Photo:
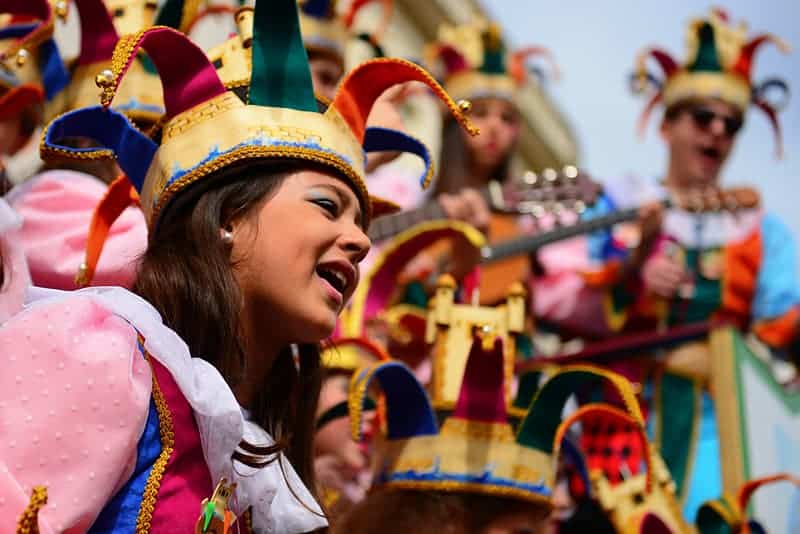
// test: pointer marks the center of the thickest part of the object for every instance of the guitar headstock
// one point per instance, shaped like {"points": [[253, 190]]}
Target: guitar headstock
{"points": [[549, 192], [713, 199]]}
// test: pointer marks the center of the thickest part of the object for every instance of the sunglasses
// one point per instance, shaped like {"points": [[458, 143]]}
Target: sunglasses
{"points": [[703, 117]]}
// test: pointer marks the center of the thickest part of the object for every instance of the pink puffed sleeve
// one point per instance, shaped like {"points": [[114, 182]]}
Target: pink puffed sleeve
{"points": [[12, 262], [74, 398], [57, 207]]}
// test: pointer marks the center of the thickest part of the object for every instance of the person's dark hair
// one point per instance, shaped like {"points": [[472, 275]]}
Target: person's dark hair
{"points": [[454, 166], [186, 274], [397, 511]]}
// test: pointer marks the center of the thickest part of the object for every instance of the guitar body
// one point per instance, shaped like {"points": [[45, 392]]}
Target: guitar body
{"points": [[497, 277]]}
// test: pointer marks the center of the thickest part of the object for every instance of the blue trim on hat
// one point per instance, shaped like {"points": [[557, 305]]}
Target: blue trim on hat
{"points": [[17, 30], [113, 130], [55, 76], [178, 172], [485, 479], [319, 9], [408, 409], [378, 139]]}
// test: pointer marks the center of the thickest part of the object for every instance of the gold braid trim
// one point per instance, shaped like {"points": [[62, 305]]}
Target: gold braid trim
{"points": [[43, 32], [28, 522], [355, 398], [253, 152], [474, 487], [145, 517], [47, 151], [428, 80], [121, 59]]}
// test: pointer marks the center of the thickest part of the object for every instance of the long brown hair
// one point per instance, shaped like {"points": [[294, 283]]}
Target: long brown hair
{"points": [[455, 160], [187, 275]]}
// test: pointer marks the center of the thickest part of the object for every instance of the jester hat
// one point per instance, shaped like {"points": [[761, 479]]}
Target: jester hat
{"points": [[476, 63], [31, 72], [102, 23], [207, 128], [475, 449], [326, 32], [719, 65], [728, 514]]}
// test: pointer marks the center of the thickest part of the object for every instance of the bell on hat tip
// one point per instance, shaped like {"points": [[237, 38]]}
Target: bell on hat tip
{"points": [[22, 57], [105, 79], [465, 106], [61, 9]]}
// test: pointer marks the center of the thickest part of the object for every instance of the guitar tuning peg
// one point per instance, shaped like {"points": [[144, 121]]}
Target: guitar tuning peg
{"points": [[570, 172], [579, 206], [538, 211], [530, 178], [550, 175]]}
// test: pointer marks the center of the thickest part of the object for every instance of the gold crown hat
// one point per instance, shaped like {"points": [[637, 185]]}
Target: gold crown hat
{"points": [[475, 449], [475, 62], [327, 32], [101, 24], [207, 128], [719, 64], [31, 72]]}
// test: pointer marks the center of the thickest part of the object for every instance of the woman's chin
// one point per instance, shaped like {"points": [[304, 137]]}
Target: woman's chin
{"points": [[319, 326]]}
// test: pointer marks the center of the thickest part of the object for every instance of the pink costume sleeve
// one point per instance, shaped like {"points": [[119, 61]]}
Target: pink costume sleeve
{"points": [[15, 270], [562, 296], [74, 399], [57, 207]]}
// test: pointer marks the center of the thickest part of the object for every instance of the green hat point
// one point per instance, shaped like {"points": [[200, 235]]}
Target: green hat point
{"points": [[281, 76], [707, 58]]}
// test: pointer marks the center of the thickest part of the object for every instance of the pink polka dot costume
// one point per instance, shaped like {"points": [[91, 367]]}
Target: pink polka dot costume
{"points": [[101, 404]]}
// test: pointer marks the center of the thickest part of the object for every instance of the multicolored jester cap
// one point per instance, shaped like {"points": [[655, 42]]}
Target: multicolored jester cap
{"points": [[326, 32], [207, 128], [477, 65], [475, 449], [102, 23], [719, 65], [31, 71]]}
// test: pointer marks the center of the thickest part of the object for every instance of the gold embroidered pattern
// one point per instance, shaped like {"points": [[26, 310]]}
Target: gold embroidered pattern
{"points": [[249, 152], [478, 430], [28, 522], [143, 521], [200, 113]]}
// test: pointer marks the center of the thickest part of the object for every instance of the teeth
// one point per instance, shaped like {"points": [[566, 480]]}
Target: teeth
{"points": [[338, 277], [341, 277]]}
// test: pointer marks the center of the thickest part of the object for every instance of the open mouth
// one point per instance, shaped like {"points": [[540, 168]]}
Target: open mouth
{"points": [[335, 278], [710, 153]]}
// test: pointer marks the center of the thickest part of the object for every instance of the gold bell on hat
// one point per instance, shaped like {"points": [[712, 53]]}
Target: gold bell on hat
{"points": [[22, 57], [465, 106]]}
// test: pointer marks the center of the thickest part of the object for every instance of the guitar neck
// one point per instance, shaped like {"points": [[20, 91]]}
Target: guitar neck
{"points": [[530, 243], [388, 226]]}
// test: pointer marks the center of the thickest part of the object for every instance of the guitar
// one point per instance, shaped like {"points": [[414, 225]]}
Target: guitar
{"points": [[495, 279], [533, 194]]}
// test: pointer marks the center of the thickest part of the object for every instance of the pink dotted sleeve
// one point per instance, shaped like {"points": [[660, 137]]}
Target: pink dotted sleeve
{"points": [[74, 396], [57, 207]]}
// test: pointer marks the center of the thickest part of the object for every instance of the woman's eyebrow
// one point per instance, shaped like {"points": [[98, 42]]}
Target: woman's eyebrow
{"points": [[345, 199]]}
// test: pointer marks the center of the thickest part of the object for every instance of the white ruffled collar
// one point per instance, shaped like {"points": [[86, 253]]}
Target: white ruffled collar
{"points": [[220, 420]]}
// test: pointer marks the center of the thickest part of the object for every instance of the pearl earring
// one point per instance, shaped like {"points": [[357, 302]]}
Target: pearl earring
{"points": [[226, 236]]}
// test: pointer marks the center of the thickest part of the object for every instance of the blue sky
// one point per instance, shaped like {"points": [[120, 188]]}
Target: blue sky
{"points": [[595, 44]]}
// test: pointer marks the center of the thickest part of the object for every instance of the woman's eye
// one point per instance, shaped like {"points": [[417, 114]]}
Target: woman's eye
{"points": [[328, 205]]}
